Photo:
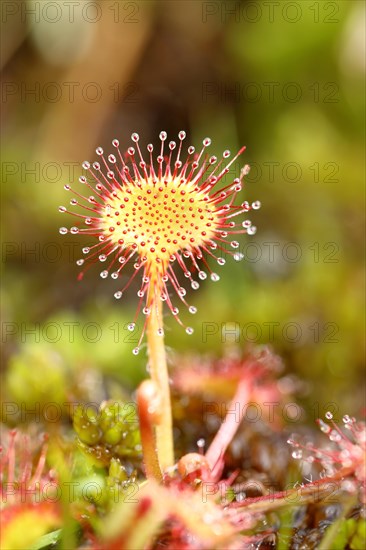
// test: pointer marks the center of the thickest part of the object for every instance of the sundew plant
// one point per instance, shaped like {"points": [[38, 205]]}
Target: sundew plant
{"points": [[162, 474], [161, 218]]}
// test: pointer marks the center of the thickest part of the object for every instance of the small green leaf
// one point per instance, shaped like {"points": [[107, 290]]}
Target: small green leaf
{"points": [[47, 541]]}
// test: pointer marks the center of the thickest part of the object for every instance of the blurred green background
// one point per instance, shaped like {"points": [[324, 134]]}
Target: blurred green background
{"points": [[285, 79]]}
